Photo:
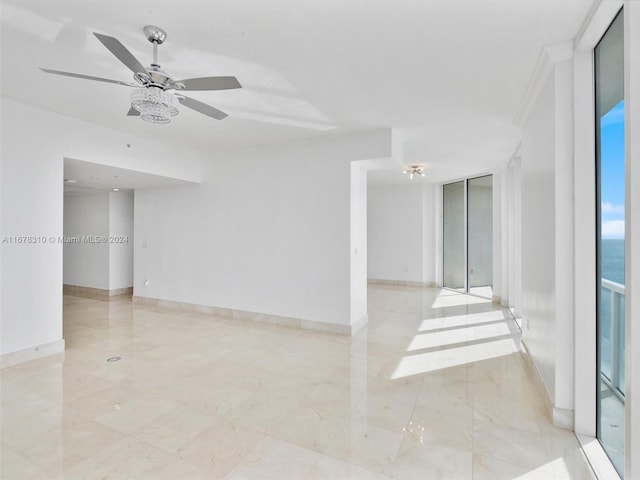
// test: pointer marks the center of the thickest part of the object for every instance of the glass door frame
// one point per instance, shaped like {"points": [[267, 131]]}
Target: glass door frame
{"points": [[465, 182], [465, 288]]}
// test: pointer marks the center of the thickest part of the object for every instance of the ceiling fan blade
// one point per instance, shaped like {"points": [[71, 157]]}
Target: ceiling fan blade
{"points": [[210, 83], [133, 112], [203, 108], [121, 52], [87, 77]]}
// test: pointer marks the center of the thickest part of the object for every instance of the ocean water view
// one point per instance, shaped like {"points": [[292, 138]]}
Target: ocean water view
{"points": [[613, 259]]}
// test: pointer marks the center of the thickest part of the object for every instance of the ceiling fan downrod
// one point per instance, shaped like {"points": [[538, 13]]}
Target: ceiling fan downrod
{"points": [[156, 36]]}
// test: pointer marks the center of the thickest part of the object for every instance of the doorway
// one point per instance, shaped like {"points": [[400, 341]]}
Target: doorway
{"points": [[467, 236]]}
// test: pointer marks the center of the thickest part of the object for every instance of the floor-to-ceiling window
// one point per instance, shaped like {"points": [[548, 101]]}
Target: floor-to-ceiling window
{"points": [[609, 101], [468, 235]]}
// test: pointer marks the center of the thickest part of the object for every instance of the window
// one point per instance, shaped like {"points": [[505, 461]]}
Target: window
{"points": [[610, 262]]}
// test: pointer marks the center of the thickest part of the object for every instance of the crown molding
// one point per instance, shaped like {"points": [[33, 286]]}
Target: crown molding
{"points": [[549, 56]]}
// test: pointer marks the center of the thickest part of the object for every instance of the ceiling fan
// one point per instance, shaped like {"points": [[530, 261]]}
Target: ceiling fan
{"points": [[156, 94]]}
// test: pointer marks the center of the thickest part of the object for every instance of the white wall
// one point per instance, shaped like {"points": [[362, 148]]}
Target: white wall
{"points": [[104, 265], [401, 232], [31, 288], [33, 145], [268, 231], [547, 239], [514, 235], [565, 240], [121, 245], [86, 264], [538, 234], [359, 243], [431, 232], [500, 260]]}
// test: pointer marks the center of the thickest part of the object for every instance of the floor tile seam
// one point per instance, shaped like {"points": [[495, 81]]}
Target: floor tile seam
{"points": [[315, 453], [387, 471], [35, 466], [203, 411], [138, 399], [347, 417], [332, 402], [404, 435], [68, 466], [378, 425], [350, 418], [125, 437], [473, 433], [511, 426], [547, 451], [519, 405]]}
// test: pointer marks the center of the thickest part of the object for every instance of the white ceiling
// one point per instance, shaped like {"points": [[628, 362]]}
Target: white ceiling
{"points": [[447, 74], [85, 178]]}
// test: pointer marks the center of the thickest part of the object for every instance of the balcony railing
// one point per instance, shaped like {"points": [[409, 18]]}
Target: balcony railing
{"points": [[615, 351]]}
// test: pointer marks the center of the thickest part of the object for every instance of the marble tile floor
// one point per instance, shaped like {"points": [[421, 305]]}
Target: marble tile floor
{"points": [[435, 388]]}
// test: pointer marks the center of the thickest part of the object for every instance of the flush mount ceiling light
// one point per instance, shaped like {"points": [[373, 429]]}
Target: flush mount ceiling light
{"points": [[414, 170], [155, 96]]}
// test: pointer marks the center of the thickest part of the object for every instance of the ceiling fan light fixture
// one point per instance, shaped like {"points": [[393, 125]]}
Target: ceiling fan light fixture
{"points": [[153, 96], [155, 113], [154, 104]]}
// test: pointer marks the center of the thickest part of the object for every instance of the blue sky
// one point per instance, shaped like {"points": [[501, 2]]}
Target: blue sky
{"points": [[612, 172]]}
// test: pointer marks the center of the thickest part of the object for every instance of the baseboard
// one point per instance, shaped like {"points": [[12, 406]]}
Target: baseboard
{"points": [[400, 283], [253, 316], [121, 291], [359, 324], [32, 353], [89, 292], [560, 417]]}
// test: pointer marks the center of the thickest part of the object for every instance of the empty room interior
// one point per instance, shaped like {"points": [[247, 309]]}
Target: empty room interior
{"points": [[320, 239]]}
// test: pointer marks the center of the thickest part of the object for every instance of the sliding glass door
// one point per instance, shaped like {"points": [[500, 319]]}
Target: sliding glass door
{"points": [[480, 235], [454, 248], [610, 165], [467, 226]]}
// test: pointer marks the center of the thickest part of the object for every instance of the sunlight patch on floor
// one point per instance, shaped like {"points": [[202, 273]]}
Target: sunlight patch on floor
{"points": [[461, 320], [452, 299], [555, 467], [450, 357], [452, 337]]}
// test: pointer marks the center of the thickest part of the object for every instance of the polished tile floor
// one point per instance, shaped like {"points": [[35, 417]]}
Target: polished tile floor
{"points": [[435, 388]]}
